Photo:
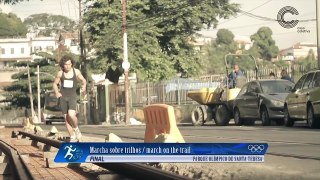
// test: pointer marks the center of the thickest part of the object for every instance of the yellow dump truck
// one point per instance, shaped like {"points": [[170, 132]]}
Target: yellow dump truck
{"points": [[215, 103]]}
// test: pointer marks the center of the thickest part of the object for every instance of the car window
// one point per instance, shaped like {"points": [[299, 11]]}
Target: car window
{"points": [[316, 80], [253, 86], [307, 81], [243, 89], [300, 82], [276, 86]]}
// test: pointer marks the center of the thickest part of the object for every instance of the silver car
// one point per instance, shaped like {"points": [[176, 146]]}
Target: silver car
{"points": [[261, 99], [303, 103]]}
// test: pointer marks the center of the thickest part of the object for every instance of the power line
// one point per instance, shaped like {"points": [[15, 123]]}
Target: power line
{"points": [[263, 18], [248, 11]]}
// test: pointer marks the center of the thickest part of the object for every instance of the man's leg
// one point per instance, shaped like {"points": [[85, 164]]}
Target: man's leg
{"points": [[67, 119], [73, 116], [69, 125]]}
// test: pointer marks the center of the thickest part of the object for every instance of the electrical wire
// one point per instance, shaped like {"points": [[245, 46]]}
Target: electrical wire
{"points": [[248, 11]]}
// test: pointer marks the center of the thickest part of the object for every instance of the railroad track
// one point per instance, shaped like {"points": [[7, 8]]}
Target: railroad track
{"points": [[19, 168], [129, 170]]}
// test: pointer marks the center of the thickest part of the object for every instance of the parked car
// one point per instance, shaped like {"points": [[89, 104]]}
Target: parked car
{"points": [[303, 103], [51, 110], [261, 99]]}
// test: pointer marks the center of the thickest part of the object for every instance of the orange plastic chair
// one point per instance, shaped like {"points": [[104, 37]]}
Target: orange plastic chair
{"points": [[160, 118]]}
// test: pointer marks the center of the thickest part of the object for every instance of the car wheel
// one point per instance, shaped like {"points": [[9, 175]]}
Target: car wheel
{"points": [[237, 120], [222, 116], [197, 117], [287, 120], [265, 117], [311, 120]]}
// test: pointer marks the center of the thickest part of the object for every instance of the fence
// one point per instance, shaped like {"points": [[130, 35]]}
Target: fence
{"points": [[170, 92]]}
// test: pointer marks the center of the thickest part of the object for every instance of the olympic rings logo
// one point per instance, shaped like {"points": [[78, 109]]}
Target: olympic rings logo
{"points": [[256, 148]]}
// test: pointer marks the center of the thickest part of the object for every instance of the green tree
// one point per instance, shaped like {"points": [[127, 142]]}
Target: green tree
{"points": [[17, 93], [47, 24], [224, 36], [264, 47], [311, 56], [11, 25], [159, 35], [11, 1], [216, 51]]}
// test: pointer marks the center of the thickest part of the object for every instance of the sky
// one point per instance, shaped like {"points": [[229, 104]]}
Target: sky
{"points": [[241, 25], [68, 8], [244, 25]]}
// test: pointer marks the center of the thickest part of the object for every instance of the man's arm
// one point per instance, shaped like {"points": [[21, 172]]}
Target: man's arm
{"points": [[83, 81], [55, 84]]}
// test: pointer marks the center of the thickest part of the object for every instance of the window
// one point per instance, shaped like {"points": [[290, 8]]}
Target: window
{"points": [[307, 81], [37, 48], [316, 80], [253, 87], [50, 48], [243, 90], [22, 50], [73, 42], [300, 82], [3, 51], [12, 50], [276, 86]]}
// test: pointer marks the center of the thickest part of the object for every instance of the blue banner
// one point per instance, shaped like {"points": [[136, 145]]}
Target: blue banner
{"points": [[161, 152]]}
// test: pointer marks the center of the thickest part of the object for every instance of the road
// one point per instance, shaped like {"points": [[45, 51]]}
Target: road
{"points": [[295, 149]]}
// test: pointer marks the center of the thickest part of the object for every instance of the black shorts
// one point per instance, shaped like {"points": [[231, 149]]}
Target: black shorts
{"points": [[67, 103]]}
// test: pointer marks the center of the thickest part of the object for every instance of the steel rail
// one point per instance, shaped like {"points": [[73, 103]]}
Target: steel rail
{"points": [[19, 168], [130, 170]]}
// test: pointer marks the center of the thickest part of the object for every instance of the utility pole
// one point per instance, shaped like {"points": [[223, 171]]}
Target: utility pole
{"points": [[318, 32], [39, 102], [30, 94], [125, 63], [83, 65]]}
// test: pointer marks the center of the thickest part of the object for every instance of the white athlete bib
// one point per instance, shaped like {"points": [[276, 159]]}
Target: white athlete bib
{"points": [[68, 83]]}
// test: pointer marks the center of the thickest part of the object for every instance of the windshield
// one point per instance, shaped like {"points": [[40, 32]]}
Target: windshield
{"points": [[276, 86]]}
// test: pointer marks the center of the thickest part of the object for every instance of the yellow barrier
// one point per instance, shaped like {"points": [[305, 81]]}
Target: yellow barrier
{"points": [[160, 119]]}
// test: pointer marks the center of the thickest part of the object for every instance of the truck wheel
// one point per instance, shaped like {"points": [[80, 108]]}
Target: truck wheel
{"points": [[197, 117], [222, 116], [237, 120]]}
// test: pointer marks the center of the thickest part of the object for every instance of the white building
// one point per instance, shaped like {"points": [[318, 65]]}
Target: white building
{"points": [[42, 44], [71, 41], [13, 50], [299, 50], [23, 49]]}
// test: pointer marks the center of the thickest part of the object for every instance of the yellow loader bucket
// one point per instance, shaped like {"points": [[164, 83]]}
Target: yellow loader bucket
{"points": [[205, 95]]}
